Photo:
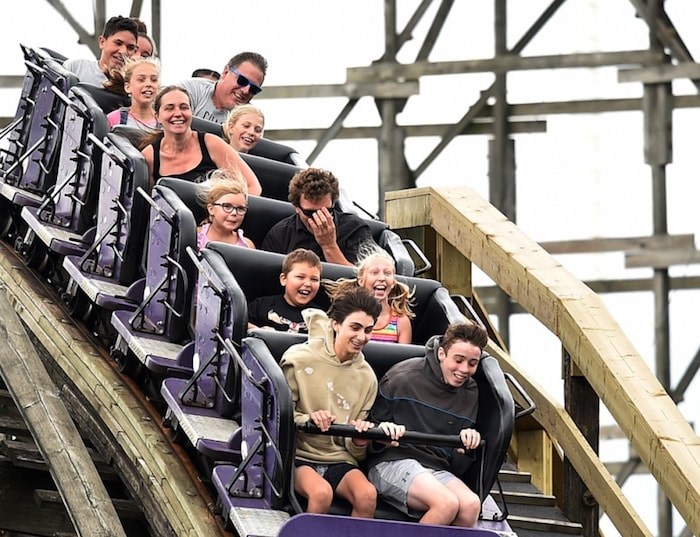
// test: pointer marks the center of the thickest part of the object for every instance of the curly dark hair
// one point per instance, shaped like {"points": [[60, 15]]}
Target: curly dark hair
{"points": [[313, 184]]}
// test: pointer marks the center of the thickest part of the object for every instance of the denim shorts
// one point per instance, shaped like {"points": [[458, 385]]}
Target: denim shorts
{"points": [[392, 480]]}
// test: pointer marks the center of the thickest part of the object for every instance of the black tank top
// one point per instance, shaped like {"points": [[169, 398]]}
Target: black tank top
{"points": [[205, 165]]}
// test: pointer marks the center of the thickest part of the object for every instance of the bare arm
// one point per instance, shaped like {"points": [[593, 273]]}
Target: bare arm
{"points": [[405, 330], [225, 156]]}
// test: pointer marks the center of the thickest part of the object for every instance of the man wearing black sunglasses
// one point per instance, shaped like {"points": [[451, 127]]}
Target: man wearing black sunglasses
{"points": [[240, 81], [317, 225]]}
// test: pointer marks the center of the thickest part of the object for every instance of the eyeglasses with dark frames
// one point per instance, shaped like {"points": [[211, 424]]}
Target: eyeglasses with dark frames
{"points": [[228, 208], [244, 81]]}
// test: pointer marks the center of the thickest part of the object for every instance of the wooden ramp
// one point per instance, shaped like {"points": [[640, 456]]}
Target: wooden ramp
{"points": [[118, 421]]}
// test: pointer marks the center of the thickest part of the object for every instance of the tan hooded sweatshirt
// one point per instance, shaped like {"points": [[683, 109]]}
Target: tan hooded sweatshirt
{"points": [[320, 382]]}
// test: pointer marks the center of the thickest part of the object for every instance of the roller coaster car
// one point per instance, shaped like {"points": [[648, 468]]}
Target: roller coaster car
{"points": [[154, 333], [257, 494], [263, 213], [64, 222], [102, 275], [206, 408], [29, 163]]}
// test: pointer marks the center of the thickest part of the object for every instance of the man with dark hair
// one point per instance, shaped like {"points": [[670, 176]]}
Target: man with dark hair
{"points": [[317, 224], [118, 40], [240, 81], [208, 74]]}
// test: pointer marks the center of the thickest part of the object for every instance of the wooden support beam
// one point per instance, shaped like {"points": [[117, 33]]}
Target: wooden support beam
{"points": [[479, 127], [660, 259], [619, 244], [502, 64], [658, 74], [352, 90], [19, 513], [76, 477], [113, 413]]}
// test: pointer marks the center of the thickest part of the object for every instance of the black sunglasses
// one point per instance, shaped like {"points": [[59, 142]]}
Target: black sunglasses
{"points": [[308, 213], [243, 81]]}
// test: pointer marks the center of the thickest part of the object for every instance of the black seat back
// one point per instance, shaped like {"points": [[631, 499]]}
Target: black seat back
{"points": [[108, 101], [495, 422], [276, 151], [274, 176]]}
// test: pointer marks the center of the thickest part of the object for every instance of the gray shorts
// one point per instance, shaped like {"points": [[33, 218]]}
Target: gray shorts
{"points": [[392, 479]]}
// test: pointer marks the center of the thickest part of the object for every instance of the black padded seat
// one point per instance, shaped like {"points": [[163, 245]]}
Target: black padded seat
{"points": [[274, 176], [107, 100], [203, 125], [276, 151]]}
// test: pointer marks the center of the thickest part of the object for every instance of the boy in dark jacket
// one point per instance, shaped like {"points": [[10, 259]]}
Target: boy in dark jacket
{"points": [[432, 394]]}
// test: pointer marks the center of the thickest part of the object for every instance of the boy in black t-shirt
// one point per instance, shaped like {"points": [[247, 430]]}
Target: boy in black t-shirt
{"points": [[301, 279]]}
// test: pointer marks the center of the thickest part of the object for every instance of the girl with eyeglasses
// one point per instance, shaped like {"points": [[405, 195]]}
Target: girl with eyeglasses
{"points": [[226, 198]]}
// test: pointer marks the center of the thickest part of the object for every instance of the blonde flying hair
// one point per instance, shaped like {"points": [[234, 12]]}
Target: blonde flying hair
{"points": [[400, 297], [236, 114]]}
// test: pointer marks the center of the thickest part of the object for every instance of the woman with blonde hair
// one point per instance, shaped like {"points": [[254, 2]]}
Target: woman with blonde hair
{"points": [[244, 127], [225, 196]]}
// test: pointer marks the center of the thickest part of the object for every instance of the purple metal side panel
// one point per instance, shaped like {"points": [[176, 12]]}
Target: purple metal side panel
{"points": [[75, 168], [18, 137], [37, 132], [159, 240], [341, 526], [109, 218], [208, 307]]}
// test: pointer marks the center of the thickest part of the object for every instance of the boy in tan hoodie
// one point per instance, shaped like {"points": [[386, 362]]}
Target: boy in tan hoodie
{"points": [[332, 383]]}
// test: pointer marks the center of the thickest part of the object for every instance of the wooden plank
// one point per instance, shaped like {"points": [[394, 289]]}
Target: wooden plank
{"points": [[479, 127], [53, 430], [510, 62], [352, 90], [657, 74], [619, 244], [659, 259], [535, 457]]}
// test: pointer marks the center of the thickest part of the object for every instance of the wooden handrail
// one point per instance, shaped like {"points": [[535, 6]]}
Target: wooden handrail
{"points": [[596, 343]]}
